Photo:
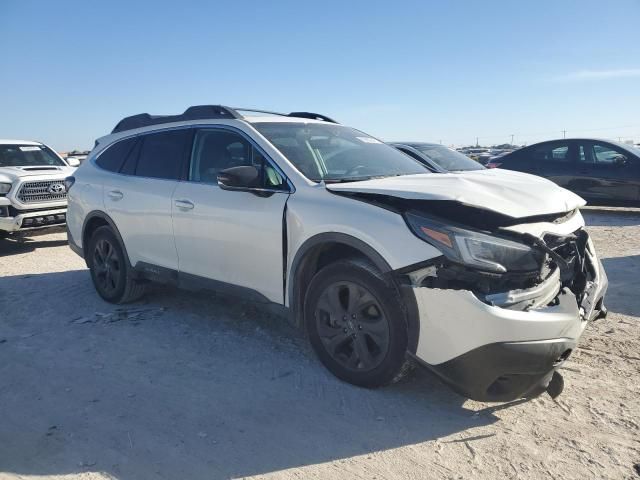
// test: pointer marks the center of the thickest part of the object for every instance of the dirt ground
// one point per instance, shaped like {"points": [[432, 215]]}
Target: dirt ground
{"points": [[190, 385]]}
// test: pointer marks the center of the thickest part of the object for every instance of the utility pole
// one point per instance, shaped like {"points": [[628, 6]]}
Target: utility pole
{"points": [[564, 134], [512, 138], [477, 144]]}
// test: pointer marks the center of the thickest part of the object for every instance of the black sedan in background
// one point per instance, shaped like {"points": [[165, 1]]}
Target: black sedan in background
{"points": [[601, 171], [436, 157]]}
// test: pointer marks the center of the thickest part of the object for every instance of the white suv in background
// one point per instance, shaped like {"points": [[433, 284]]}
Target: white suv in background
{"points": [[32, 190], [488, 279]]}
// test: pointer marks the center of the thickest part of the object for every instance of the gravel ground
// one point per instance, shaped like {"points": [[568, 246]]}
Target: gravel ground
{"points": [[196, 386]]}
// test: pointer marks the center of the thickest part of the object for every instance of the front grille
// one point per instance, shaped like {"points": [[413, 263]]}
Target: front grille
{"points": [[42, 191]]}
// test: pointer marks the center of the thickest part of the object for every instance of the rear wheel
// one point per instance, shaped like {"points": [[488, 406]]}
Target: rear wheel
{"points": [[110, 272], [356, 323]]}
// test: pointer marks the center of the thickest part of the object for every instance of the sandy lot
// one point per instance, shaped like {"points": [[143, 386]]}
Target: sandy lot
{"points": [[196, 386]]}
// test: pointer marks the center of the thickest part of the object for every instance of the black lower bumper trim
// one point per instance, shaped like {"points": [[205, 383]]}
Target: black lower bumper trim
{"points": [[501, 372]]}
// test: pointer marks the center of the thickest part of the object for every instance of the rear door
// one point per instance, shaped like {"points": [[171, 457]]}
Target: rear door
{"points": [[607, 172], [139, 198], [232, 237]]}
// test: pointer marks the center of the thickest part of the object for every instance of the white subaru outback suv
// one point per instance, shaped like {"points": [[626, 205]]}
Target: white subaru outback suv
{"points": [[32, 190], [486, 277]]}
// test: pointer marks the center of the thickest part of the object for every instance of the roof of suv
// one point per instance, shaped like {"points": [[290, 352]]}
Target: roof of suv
{"points": [[210, 112]]}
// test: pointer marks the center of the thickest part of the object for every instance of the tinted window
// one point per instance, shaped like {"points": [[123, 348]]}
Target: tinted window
{"points": [[27, 156], [129, 165], [216, 150], [336, 153], [161, 154], [111, 159], [552, 152], [448, 159], [602, 154]]}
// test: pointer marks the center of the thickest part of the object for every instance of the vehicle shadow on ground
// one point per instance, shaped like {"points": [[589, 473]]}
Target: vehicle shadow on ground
{"points": [[186, 385], [623, 274], [18, 245]]}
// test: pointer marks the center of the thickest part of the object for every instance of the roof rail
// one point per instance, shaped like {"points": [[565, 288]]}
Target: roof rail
{"points": [[311, 116], [202, 112], [198, 112]]}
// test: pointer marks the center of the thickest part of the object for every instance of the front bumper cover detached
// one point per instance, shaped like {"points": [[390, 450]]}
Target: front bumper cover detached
{"points": [[497, 353]]}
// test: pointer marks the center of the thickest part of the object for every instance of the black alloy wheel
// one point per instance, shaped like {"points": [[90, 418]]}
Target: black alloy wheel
{"points": [[352, 326]]}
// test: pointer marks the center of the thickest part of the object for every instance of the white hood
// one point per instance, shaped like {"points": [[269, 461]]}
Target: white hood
{"points": [[11, 174], [510, 193]]}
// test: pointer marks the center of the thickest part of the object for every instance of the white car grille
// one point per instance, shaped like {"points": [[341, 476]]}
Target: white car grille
{"points": [[42, 191]]}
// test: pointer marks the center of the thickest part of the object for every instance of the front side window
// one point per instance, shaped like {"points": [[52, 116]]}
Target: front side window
{"points": [[215, 150], [161, 154], [448, 159], [551, 153], [601, 154], [28, 156], [336, 153]]}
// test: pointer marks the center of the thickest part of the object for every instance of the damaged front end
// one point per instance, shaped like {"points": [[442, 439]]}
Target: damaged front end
{"points": [[507, 268], [502, 308]]}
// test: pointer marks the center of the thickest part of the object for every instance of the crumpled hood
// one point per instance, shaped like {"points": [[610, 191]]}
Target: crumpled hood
{"points": [[510, 193], [11, 174]]}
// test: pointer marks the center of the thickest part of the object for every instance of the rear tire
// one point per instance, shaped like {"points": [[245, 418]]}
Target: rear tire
{"points": [[356, 324], [110, 271]]}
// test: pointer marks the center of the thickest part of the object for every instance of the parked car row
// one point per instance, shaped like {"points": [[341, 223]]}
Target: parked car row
{"points": [[380, 253]]}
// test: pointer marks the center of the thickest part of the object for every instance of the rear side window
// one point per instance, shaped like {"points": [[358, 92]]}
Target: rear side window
{"points": [[162, 153], [113, 157], [552, 153]]}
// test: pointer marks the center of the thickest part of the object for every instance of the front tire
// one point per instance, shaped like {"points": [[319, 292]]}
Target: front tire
{"points": [[110, 271], [356, 323]]}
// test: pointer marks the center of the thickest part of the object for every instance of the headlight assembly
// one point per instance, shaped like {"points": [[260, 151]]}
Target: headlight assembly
{"points": [[475, 249], [5, 188]]}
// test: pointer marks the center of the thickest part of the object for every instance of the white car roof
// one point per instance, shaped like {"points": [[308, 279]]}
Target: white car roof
{"points": [[8, 141]]}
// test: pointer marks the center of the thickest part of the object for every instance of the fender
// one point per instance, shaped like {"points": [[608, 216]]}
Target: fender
{"points": [[295, 296]]}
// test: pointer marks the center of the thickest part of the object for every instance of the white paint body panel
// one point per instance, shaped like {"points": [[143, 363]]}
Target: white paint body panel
{"points": [[510, 193], [229, 236]]}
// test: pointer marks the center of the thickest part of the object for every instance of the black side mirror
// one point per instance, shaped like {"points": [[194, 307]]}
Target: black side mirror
{"points": [[243, 178], [620, 160]]}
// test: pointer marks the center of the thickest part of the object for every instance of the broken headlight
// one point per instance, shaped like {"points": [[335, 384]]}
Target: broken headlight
{"points": [[475, 249]]}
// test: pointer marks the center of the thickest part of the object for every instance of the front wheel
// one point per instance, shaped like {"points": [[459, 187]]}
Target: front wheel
{"points": [[356, 323], [110, 270]]}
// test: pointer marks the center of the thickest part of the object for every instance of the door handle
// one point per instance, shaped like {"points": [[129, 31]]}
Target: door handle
{"points": [[184, 204], [115, 195]]}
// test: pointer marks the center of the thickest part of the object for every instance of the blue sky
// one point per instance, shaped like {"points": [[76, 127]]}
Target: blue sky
{"points": [[420, 70]]}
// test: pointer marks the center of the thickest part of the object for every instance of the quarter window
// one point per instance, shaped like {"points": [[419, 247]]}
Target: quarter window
{"points": [[161, 154], [113, 157], [216, 150]]}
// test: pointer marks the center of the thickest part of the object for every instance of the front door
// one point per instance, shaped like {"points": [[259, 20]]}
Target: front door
{"points": [[606, 172], [231, 237]]}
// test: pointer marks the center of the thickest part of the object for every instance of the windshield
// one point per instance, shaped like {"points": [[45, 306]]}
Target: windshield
{"points": [[335, 153], [448, 159], [28, 156]]}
